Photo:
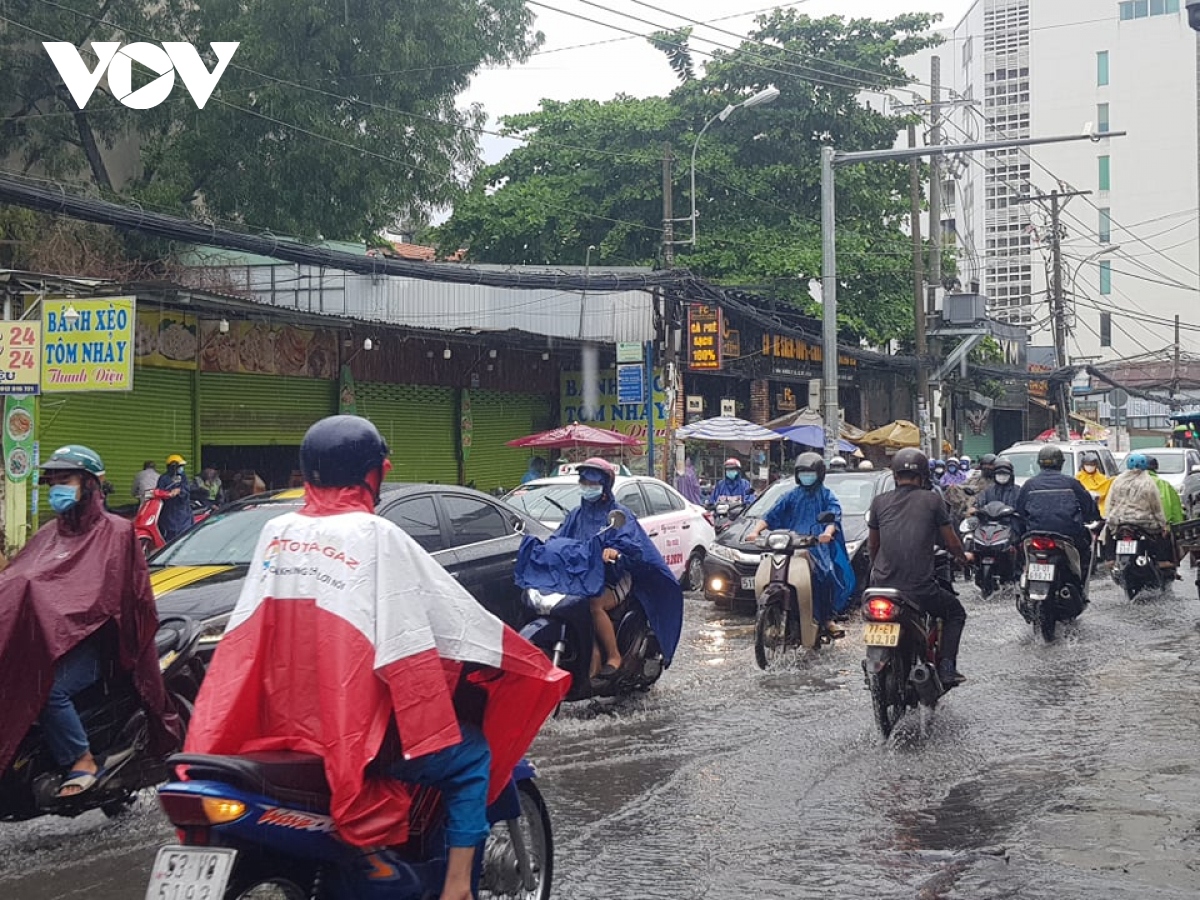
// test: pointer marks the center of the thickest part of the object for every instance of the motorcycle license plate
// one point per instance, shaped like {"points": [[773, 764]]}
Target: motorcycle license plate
{"points": [[748, 583], [190, 873], [1041, 572], [882, 634], [1127, 548]]}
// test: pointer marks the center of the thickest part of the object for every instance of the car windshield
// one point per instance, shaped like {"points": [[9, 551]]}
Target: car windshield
{"points": [[1025, 463], [545, 502], [223, 539], [855, 495], [1169, 463]]}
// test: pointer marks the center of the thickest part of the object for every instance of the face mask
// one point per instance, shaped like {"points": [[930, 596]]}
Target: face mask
{"points": [[63, 497], [1089, 469], [807, 479], [732, 474], [1003, 478], [592, 493]]}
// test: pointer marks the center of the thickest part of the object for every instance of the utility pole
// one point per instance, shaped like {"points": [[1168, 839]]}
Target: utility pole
{"points": [[672, 376], [1175, 363], [935, 219], [914, 191], [1058, 308]]}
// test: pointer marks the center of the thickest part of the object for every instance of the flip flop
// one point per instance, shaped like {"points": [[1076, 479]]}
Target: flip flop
{"points": [[80, 778]]}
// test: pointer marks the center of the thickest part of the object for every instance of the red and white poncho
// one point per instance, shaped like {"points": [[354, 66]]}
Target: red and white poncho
{"points": [[344, 622]]}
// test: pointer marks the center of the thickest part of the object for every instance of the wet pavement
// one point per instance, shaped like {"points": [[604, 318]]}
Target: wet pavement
{"points": [[1059, 771]]}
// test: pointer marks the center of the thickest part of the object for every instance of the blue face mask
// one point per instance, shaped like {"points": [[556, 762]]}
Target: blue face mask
{"points": [[591, 493], [732, 474], [807, 479], [63, 497]]}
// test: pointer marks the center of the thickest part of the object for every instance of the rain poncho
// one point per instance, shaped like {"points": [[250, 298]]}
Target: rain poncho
{"points": [[570, 563], [689, 485], [1133, 499], [176, 515], [737, 490], [76, 575], [953, 476], [1172, 507], [797, 511], [1097, 483]]}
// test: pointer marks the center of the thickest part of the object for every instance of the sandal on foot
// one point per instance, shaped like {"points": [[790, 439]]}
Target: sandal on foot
{"points": [[78, 778]]}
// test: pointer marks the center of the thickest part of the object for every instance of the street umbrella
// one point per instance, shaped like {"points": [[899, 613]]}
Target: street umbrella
{"points": [[1051, 434], [893, 436], [814, 436], [575, 435], [727, 430]]}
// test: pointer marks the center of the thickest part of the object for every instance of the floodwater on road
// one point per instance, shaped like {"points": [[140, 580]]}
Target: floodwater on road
{"points": [[1061, 771]]}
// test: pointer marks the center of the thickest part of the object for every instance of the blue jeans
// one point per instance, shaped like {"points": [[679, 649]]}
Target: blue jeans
{"points": [[461, 774], [60, 722]]}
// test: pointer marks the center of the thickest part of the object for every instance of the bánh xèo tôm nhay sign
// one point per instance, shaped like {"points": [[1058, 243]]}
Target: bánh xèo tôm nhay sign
{"points": [[87, 345], [704, 336]]}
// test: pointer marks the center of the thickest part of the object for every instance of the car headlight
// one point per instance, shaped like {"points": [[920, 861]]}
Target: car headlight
{"points": [[720, 551], [212, 630], [543, 602], [852, 547]]}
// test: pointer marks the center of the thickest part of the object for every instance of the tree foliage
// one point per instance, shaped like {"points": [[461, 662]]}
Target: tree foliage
{"points": [[590, 173], [335, 117]]}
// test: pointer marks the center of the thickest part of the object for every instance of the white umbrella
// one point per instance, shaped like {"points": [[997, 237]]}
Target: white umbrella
{"points": [[727, 429]]}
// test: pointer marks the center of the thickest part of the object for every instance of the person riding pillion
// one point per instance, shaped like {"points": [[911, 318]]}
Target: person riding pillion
{"points": [[1092, 477], [1172, 505], [799, 510], [1058, 504], [1134, 500], [905, 526], [734, 487]]}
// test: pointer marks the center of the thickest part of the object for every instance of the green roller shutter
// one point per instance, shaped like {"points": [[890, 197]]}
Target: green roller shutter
{"points": [[498, 418], [125, 427], [261, 409], [418, 422], [976, 445]]}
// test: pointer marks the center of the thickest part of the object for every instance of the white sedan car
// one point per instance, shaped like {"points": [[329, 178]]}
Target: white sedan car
{"points": [[680, 530]]}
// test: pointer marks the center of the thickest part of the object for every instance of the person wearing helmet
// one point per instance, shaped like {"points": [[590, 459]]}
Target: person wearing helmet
{"points": [[1092, 477], [838, 464], [1134, 500], [952, 476], [981, 478], [176, 495], [939, 471], [964, 465], [76, 598], [1172, 505], [1004, 487], [866, 466], [905, 525], [380, 643], [734, 487], [799, 510], [1056, 503]]}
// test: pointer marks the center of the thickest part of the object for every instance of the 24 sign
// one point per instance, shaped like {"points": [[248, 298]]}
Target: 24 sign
{"points": [[171, 58], [20, 357]]}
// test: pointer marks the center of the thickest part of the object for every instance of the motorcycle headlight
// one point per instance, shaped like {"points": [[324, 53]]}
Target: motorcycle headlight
{"points": [[720, 551], [543, 602], [779, 541], [212, 630]]}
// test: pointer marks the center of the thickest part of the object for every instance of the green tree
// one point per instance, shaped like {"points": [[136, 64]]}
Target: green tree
{"points": [[333, 118], [590, 173]]}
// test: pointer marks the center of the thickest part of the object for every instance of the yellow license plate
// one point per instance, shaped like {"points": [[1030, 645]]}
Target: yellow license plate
{"points": [[882, 634]]}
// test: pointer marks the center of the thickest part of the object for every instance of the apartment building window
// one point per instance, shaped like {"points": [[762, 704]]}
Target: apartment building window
{"points": [[1105, 173], [1102, 68], [1101, 118], [1105, 329], [1140, 9], [1105, 277], [1105, 225]]}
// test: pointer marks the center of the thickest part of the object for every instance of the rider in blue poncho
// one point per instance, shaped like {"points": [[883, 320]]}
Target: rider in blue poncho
{"points": [[632, 566], [734, 487], [798, 510]]}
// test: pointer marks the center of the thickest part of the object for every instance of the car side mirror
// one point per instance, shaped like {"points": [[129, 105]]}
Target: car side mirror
{"points": [[826, 518], [616, 519], [518, 525]]}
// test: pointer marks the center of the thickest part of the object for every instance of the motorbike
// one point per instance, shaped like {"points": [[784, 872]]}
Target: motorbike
{"points": [[258, 825], [1053, 586], [117, 732], [725, 513], [988, 534], [783, 586], [1136, 569], [145, 523], [564, 631], [903, 652]]}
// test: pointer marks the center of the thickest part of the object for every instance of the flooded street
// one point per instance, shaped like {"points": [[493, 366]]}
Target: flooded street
{"points": [[1059, 771]]}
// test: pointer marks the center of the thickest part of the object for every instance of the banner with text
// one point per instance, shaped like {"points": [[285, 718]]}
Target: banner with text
{"points": [[20, 357], [87, 344], [612, 414], [705, 331]]}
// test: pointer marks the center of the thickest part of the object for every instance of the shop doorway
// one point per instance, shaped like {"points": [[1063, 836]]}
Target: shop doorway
{"points": [[245, 469]]}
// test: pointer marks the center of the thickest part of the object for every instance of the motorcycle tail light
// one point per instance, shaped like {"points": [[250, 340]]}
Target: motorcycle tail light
{"points": [[880, 609], [1043, 543], [191, 810]]}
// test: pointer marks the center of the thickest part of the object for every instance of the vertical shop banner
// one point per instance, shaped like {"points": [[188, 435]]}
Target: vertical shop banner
{"points": [[466, 424], [705, 331], [347, 393], [87, 344], [18, 437], [20, 357]]}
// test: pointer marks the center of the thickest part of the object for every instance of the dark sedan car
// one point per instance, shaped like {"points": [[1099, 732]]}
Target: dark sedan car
{"points": [[473, 536], [731, 562]]}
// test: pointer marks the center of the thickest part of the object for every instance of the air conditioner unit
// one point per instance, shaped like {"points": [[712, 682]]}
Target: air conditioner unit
{"points": [[964, 309]]}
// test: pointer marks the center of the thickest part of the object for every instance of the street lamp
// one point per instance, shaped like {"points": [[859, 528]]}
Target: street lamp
{"points": [[1103, 251], [766, 95]]}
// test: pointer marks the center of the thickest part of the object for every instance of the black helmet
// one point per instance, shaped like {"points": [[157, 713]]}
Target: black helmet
{"points": [[1090, 458], [340, 451], [1152, 463], [987, 464], [910, 461], [1004, 464], [1050, 457], [810, 462]]}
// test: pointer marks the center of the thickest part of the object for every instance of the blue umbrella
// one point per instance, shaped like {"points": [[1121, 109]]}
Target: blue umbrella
{"points": [[814, 436]]}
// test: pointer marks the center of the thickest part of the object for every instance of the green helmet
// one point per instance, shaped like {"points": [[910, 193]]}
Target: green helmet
{"points": [[75, 457]]}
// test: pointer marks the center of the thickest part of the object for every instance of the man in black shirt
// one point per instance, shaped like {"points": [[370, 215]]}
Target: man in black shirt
{"points": [[905, 526], [1056, 503]]}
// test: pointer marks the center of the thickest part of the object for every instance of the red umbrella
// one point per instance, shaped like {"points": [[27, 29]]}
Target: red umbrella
{"points": [[1051, 434], [576, 435]]}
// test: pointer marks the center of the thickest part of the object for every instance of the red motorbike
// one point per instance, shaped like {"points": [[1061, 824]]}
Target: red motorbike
{"points": [[145, 523]]}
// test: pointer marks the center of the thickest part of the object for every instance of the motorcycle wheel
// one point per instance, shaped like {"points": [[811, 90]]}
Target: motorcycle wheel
{"points": [[114, 809], [887, 709], [770, 634], [501, 877], [263, 886], [1044, 622], [986, 584]]}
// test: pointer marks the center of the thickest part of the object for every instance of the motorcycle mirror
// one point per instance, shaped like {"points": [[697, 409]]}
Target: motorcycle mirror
{"points": [[616, 519], [826, 518]]}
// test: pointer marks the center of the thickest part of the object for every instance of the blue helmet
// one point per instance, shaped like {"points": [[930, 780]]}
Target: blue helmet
{"points": [[1137, 461], [340, 451], [939, 463]]}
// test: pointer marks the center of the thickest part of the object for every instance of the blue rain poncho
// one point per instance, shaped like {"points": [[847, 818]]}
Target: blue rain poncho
{"points": [[797, 511]]}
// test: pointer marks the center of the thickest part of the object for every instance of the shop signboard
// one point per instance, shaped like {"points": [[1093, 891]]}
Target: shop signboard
{"points": [[18, 437], [705, 329], [87, 345], [611, 413], [631, 383], [629, 352], [20, 352], [166, 338], [259, 348]]}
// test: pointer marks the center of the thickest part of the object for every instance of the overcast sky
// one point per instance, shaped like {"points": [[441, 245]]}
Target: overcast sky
{"points": [[629, 64]]}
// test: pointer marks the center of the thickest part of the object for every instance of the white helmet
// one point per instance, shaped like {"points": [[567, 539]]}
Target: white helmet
{"points": [[838, 464], [866, 466]]}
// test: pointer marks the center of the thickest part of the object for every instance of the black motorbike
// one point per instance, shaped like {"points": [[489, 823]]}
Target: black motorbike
{"points": [[989, 535], [1053, 588], [725, 513], [903, 652], [1136, 564], [564, 631], [117, 732]]}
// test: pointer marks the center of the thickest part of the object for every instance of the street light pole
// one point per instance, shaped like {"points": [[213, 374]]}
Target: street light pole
{"points": [[830, 158]]}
